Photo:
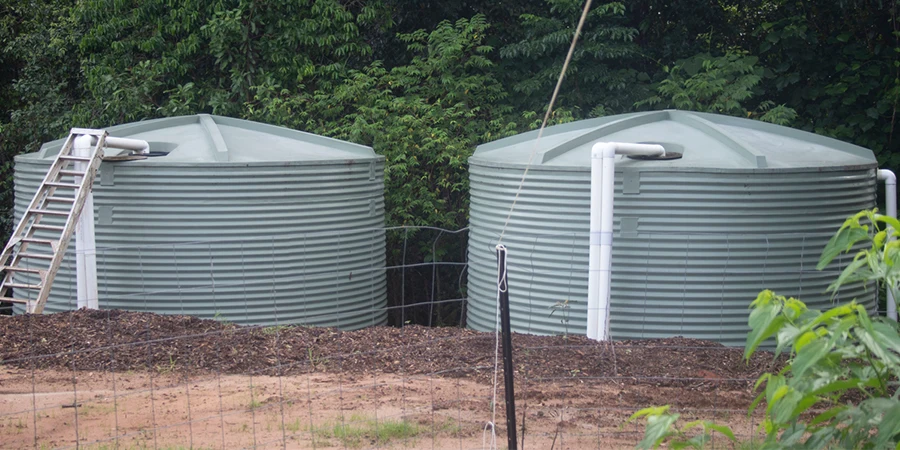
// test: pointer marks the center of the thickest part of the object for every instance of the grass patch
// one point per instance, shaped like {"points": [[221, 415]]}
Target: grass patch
{"points": [[274, 329], [96, 409], [358, 431], [293, 427]]}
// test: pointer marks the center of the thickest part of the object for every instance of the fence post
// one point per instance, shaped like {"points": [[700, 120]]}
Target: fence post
{"points": [[503, 286]]}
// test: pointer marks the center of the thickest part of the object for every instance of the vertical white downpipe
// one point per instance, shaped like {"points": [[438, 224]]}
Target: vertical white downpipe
{"points": [[85, 244], [593, 303], [603, 172], [606, 238], [890, 208]]}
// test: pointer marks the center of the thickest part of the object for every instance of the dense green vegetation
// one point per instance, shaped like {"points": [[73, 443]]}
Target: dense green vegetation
{"points": [[425, 81]]}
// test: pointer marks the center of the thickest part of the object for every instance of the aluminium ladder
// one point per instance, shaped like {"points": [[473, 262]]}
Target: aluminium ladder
{"points": [[61, 195]]}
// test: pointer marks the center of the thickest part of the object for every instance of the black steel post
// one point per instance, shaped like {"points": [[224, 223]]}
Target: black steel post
{"points": [[503, 285]]}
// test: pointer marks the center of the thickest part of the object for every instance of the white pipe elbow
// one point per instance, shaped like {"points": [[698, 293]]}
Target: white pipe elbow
{"points": [[82, 141], [135, 145], [889, 178], [611, 149], [602, 150], [890, 191]]}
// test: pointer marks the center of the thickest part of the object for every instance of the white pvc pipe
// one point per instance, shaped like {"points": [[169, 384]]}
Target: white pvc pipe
{"points": [[593, 303], [85, 243], [135, 145], [890, 208], [603, 172]]}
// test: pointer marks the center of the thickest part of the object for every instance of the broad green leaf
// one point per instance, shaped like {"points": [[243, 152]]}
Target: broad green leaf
{"points": [[804, 339], [889, 427], [837, 311], [722, 429], [887, 334], [753, 405], [828, 415], [846, 237], [697, 442], [806, 402], [844, 385], [792, 435], [649, 411], [808, 356], [875, 346], [849, 274], [821, 439], [708, 425], [889, 221], [786, 337], [776, 388], [782, 409], [764, 322], [659, 427]]}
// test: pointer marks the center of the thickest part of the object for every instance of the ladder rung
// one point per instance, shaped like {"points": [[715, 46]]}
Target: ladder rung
{"points": [[74, 158], [22, 269], [75, 173], [40, 241], [41, 226], [14, 300], [88, 131], [63, 185], [35, 287], [60, 199], [49, 212], [35, 256]]}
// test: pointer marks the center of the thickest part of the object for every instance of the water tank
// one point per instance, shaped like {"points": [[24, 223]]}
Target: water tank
{"points": [[747, 206], [246, 222]]}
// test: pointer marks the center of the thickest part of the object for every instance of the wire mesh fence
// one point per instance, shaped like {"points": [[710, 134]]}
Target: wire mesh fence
{"points": [[215, 371]]}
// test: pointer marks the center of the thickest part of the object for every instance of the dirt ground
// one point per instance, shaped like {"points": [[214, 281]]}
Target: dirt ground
{"points": [[112, 379]]}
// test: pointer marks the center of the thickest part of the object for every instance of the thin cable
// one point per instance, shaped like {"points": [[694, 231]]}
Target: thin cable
{"points": [[562, 74]]}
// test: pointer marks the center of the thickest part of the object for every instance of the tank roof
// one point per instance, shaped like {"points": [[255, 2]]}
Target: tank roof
{"points": [[205, 138], [707, 142]]}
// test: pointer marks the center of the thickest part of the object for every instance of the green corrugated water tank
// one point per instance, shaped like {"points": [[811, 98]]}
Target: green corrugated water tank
{"points": [[243, 221], [748, 206]]}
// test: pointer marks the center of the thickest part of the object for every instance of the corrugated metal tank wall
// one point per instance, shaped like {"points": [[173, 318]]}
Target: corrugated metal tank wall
{"points": [[258, 242], [692, 248]]}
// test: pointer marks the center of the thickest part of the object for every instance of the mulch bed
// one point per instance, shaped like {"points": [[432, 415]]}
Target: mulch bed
{"points": [[112, 340]]}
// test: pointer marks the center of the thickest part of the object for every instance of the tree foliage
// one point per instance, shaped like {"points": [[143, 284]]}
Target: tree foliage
{"points": [[424, 82], [601, 78], [837, 64], [425, 117], [722, 85]]}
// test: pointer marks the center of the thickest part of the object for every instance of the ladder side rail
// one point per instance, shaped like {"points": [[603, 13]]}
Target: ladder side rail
{"points": [[86, 182], [23, 248], [9, 255], [38, 195]]}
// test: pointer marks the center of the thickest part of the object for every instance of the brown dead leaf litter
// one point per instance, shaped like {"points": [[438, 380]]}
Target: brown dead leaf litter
{"points": [[117, 341]]}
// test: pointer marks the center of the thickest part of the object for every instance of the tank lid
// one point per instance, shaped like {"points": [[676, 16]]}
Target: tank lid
{"points": [[205, 138], [706, 141]]}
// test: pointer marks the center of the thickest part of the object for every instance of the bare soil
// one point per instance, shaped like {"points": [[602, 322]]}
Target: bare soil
{"points": [[115, 379]]}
